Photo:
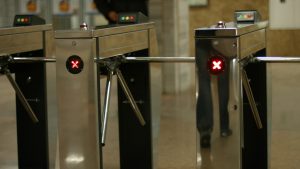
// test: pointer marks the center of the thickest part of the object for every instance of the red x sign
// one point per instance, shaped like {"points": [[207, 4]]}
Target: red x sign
{"points": [[75, 64], [216, 65]]}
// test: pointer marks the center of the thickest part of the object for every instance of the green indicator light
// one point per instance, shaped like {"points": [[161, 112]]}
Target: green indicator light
{"points": [[123, 18], [18, 20]]}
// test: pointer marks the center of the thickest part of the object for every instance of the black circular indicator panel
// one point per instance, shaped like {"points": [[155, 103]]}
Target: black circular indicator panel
{"points": [[74, 64], [216, 65]]}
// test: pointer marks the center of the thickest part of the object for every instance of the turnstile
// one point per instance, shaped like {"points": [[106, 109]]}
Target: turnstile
{"points": [[224, 91], [78, 92], [32, 136]]}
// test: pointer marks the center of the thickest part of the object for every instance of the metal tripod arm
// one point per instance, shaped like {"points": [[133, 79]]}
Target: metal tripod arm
{"points": [[251, 99], [159, 59], [21, 97], [106, 106], [130, 97]]}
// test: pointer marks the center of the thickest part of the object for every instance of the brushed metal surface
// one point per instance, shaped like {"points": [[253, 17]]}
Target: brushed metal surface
{"points": [[227, 48], [77, 106], [252, 42], [103, 31], [24, 29], [123, 43], [23, 42], [232, 29], [234, 42], [79, 139]]}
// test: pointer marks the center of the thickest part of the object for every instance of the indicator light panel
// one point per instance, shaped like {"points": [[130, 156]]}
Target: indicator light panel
{"points": [[74, 64], [28, 20], [131, 18], [247, 16], [216, 65]]}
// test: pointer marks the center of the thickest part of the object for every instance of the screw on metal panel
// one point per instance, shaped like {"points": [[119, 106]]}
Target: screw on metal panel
{"points": [[234, 45], [74, 43]]}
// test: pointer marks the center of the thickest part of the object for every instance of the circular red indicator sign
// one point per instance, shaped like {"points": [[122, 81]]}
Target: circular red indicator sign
{"points": [[216, 65], [74, 64]]}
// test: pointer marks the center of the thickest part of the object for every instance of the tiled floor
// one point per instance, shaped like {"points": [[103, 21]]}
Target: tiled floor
{"points": [[176, 146]]}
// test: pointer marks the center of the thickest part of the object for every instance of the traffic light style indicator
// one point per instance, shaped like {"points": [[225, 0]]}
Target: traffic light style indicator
{"points": [[24, 20], [216, 65], [74, 64], [28, 20], [247, 16], [131, 18]]}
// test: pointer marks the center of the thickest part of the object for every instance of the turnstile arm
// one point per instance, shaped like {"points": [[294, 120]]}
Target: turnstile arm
{"points": [[269, 59], [106, 106], [21, 97], [159, 59], [130, 97], [250, 97], [5, 60]]}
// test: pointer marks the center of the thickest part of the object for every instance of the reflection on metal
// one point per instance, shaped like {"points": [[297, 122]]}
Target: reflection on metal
{"points": [[126, 59], [160, 59], [268, 59], [106, 105], [32, 59], [74, 159], [250, 97], [235, 42], [277, 59]]}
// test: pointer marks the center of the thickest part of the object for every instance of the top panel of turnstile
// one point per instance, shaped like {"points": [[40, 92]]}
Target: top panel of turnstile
{"points": [[24, 29], [231, 29], [102, 31]]}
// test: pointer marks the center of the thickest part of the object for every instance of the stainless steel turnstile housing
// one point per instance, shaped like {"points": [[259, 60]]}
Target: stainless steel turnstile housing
{"points": [[32, 138], [247, 147], [79, 117]]}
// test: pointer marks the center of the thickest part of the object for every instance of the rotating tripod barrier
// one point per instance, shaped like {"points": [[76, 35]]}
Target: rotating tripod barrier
{"points": [[78, 83], [239, 96], [112, 64], [74, 64], [30, 87]]}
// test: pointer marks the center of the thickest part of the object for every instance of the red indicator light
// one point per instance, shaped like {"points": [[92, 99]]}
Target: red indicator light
{"points": [[216, 65], [132, 18], [74, 64]]}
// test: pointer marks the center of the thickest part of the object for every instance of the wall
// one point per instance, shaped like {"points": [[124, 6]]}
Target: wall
{"points": [[280, 42], [173, 39], [7, 11]]}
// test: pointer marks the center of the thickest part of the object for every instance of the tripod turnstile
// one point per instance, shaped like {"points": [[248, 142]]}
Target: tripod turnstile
{"points": [[230, 92], [30, 86], [78, 82]]}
